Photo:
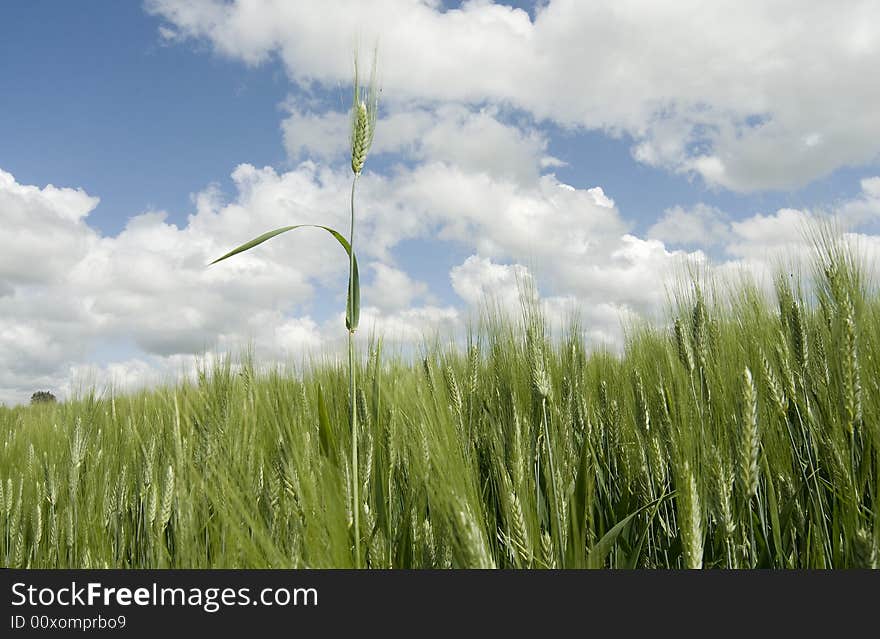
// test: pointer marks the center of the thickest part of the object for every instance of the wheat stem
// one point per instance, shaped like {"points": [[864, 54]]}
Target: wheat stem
{"points": [[351, 391]]}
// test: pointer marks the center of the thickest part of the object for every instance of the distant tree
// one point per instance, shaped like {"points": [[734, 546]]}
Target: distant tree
{"points": [[42, 397]]}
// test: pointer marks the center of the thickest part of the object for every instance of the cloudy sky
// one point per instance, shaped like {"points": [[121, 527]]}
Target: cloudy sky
{"points": [[594, 146]]}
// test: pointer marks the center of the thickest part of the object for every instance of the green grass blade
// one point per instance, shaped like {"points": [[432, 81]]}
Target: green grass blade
{"points": [[633, 560], [773, 508], [352, 310], [599, 552], [254, 242], [325, 430]]}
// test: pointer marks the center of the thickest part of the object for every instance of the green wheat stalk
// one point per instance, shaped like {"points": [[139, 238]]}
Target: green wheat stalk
{"points": [[365, 107], [364, 111]]}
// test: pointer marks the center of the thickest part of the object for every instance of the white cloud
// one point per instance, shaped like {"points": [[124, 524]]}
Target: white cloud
{"points": [[701, 225], [871, 188], [864, 209], [486, 285], [296, 334], [747, 95], [473, 140], [480, 281], [317, 135], [760, 235], [411, 325], [148, 286], [67, 289], [476, 141], [47, 222], [124, 376], [393, 289]]}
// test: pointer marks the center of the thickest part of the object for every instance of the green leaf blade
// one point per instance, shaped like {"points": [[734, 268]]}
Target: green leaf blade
{"points": [[600, 551], [353, 301], [254, 242]]}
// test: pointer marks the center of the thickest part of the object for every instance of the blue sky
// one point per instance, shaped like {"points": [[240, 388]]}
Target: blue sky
{"points": [[701, 139], [95, 99]]}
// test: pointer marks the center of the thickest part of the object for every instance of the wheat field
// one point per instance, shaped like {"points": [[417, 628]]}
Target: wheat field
{"points": [[744, 433]]}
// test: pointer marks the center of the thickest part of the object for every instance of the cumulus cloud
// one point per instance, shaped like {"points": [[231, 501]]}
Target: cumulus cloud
{"points": [[40, 222], [724, 90], [705, 226], [393, 289], [760, 235], [411, 325], [148, 286], [474, 140], [864, 209], [700, 225], [308, 134], [760, 244], [480, 281], [486, 285], [44, 235]]}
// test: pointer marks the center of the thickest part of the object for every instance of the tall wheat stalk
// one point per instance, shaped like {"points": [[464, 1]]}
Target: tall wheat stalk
{"points": [[364, 111]]}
